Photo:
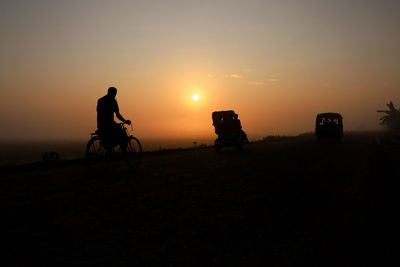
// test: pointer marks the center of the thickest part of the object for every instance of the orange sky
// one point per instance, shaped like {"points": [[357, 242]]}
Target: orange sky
{"points": [[276, 64]]}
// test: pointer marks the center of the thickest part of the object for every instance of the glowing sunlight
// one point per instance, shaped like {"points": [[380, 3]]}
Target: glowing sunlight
{"points": [[195, 97]]}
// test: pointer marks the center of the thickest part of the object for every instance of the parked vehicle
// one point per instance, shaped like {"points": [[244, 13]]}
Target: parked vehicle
{"points": [[329, 126], [229, 130]]}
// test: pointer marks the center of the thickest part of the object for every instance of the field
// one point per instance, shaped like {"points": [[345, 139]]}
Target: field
{"points": [[280, 202]]}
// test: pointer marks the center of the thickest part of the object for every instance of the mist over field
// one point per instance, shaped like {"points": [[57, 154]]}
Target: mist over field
{"points": [[17, 152]]}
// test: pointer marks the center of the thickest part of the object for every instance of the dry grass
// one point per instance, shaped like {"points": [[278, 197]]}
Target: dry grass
{"points": [[281, 202]]}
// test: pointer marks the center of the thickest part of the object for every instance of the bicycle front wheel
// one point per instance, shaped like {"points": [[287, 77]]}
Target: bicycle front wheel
{"points": [[133, 154]]}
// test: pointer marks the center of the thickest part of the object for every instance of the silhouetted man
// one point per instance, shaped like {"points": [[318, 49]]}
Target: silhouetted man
{"points": [[108, 128]]}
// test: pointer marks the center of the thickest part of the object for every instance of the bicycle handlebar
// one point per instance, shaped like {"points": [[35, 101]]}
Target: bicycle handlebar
{"points": [[122, 123]]}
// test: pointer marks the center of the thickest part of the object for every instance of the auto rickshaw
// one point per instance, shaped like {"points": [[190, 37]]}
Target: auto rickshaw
{"points": [[329, 126], [229, 130]]}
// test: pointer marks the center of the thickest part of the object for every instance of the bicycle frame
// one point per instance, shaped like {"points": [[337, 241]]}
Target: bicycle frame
{"points": [[131, 152], [113, 143]]}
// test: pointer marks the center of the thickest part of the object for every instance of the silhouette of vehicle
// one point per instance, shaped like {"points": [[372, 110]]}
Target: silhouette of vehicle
{"points": [[100, 154], [228, 129], [329, 126]]}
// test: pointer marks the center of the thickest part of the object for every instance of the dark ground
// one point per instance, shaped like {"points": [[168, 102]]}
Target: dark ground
{"points": [[283, 202]]}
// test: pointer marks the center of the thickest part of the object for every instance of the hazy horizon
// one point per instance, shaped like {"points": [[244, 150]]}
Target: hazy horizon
{"points": [[276, 63], [27, 151]]}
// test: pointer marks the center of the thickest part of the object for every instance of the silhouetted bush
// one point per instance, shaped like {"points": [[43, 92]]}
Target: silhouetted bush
{"points": [[51, 156]]}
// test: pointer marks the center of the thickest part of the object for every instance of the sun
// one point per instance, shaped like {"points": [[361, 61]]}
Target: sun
{"points": [[195, 97]]}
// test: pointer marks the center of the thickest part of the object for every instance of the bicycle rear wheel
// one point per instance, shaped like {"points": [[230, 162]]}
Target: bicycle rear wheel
{"points": [[133, 154], [96, 156]]}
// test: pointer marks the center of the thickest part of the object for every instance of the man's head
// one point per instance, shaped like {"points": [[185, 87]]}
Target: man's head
{"points": [[112, 91]]}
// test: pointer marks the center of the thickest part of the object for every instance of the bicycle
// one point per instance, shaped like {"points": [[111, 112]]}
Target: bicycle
{"points": [[99, 156]]}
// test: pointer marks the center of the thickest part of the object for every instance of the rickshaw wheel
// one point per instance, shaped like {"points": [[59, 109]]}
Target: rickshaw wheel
{"points": [[217, 146], [239, 146]]}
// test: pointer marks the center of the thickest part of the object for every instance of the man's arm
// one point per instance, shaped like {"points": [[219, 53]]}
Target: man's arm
{"points": [[119, 116]]}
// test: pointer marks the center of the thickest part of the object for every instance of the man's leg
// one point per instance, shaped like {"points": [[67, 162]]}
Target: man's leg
{"points": [[120, 137], [107, 142]]}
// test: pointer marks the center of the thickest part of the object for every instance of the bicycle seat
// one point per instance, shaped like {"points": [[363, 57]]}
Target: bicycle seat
{"points": [[97, 132]]}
